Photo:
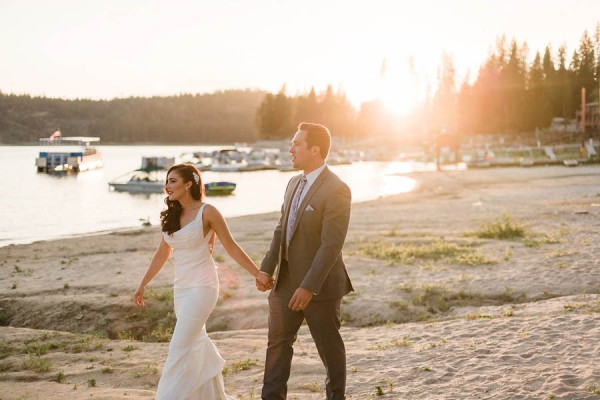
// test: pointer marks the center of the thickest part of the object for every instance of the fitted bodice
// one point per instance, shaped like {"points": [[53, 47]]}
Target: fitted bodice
{"points": [[194, 265]]}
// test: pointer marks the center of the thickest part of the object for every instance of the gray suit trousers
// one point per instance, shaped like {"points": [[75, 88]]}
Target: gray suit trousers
{"points": [[323, 319]]}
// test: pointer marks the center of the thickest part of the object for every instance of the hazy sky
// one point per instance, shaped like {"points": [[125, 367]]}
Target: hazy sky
{"points": [[119, 48]]}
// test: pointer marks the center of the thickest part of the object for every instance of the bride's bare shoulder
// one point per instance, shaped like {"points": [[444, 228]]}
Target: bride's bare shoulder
{"points": [[211, 211]]}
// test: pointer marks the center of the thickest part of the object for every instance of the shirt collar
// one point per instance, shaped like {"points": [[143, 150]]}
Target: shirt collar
{"points": [[311, 177]]}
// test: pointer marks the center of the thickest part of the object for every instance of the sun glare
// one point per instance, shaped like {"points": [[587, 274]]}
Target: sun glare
{"points": [[396, 85], [399, 88]]}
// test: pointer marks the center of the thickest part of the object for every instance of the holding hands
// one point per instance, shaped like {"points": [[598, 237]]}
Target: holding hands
{"points": [[264, 281], [299, 300]]}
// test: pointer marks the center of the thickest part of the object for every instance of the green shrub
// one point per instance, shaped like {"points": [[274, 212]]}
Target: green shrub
{"points": [[438, 250], [503, 228], [37, 364]]}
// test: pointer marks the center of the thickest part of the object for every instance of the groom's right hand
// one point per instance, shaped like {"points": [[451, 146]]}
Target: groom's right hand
{"points": [[264, 281]]}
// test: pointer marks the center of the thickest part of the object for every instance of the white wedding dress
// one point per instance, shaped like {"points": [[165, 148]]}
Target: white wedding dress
{"points": [[193, 367]]}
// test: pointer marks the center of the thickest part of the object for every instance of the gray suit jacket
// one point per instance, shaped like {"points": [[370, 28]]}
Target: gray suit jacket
{"points": [[315, 251]]}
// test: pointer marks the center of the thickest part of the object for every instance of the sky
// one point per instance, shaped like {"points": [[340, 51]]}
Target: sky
{"points": [[121, 48]]}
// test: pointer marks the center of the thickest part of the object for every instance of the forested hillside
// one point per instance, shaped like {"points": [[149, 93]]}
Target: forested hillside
{"points": [[219, 117]]}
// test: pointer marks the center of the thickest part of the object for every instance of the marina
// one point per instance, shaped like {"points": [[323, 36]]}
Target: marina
{"points": [[124, 191], [51, 206], [526, 156]]}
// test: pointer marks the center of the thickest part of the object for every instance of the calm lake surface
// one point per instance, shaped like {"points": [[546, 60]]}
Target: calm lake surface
{"points": [[38, 206]]}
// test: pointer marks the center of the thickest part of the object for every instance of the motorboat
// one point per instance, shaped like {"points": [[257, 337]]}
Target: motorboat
{"points": [[157, 163], [201, 159], [229, 160], [143, 180], [234, 160], [339, 158], [68, 154], [283, 162], [152, 180], [219, 188], [258, 160]]}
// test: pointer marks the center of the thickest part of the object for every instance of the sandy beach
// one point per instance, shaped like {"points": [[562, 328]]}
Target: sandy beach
{"points": [[480, 284]]}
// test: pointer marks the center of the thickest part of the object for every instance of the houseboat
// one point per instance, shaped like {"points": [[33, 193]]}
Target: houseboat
{"points": [[68, 154]]}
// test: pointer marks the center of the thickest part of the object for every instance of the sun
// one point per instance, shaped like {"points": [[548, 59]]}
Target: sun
{"points": [[395, 84], [399, 89], [398, 102]]}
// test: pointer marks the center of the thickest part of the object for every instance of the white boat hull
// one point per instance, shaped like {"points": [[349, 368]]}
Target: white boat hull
{"points": [[138, 187]]}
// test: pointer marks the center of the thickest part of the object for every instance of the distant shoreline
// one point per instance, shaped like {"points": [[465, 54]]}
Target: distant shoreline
{"points": [[33, 144], [141, 229]]}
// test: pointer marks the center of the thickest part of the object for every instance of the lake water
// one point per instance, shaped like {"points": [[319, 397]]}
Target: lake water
{"points": [[38, 206]]}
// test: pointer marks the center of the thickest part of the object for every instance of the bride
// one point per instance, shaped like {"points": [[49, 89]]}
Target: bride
{"points": [[193, 366]]}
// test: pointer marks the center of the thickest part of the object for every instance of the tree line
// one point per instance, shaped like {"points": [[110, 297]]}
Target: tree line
{"points": [[220, 117], [513, 96], [510, 96]]}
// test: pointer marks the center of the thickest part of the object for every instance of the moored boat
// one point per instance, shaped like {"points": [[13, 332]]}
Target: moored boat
{"points": [[283, 161], [219, 188], [152, 180], [228, 160], [143, 180], [68, 154]]}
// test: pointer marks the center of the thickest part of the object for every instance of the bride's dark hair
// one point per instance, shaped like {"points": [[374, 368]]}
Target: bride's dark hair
{"points": [[169, 218]]}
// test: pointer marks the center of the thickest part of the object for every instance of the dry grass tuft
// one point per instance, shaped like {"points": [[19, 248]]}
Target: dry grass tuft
{"points": [[439, 250], [503, 228]]}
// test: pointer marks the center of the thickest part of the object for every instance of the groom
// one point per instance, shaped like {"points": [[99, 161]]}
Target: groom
{"points": [[312, 278]]}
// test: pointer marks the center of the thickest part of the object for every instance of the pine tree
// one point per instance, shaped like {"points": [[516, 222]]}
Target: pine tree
{"points": [[585, 71], [445, 97], [536, 118], [263, 122], [551, 91], [306, 108], [466, 110], [597, 50], [565, 85]]}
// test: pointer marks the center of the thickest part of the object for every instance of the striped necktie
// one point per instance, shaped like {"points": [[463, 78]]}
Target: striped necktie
{"points": [[294, 211]]}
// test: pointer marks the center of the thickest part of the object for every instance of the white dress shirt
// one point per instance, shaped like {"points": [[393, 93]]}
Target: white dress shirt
{"points": [[310, 179]]}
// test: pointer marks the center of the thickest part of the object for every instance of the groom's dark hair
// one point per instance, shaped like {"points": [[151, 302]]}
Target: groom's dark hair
{"points": [[317, 135]]}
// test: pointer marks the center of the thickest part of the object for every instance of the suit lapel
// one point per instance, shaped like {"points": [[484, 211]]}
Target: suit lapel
{"points": [[314, 187]]}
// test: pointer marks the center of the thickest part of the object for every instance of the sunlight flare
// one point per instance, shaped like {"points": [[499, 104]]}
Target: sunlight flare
{"points": [[399, 86]]}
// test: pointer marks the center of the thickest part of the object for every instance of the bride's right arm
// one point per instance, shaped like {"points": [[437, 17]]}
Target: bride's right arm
{"points": [[161, 255], [219, 225]]}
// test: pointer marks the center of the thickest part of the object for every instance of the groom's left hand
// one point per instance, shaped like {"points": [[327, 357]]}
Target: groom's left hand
{"points": [[300, 299]]}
